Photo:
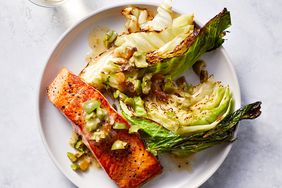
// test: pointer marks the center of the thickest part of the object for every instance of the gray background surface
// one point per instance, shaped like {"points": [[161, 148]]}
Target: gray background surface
{"points": [[28, 33]]}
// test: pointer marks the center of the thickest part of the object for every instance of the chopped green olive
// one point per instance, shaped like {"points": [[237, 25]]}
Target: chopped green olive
{"points": [[92, 124], [118, 144], [120, 95], [119, 126], [74, 166], [74, 138], [89, 116], [91, 105], [139, 59], [72, 157], [129, 101], [101, 113], [133, 129], [110, 37], [79, 154], [146, 83], [79, 145], [169, 86], [98, 135], [116, 94], [134, 85]]}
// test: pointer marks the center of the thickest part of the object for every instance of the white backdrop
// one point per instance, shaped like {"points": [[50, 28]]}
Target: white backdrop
{"points": [[29, 32]]}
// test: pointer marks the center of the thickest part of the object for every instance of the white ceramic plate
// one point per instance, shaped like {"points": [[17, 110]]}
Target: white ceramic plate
{"points": [[55, 130]]}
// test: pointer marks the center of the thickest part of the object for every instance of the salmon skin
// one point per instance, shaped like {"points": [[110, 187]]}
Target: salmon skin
{"points": [[129, 167]]}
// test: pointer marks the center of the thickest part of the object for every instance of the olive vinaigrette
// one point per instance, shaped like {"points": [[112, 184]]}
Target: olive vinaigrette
{"points": [[95, 116], [82, 158]]}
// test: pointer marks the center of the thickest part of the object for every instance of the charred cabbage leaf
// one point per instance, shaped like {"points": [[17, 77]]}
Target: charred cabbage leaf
{"points": [[162, 20], [97, 72], [145, 41], [188, 52], [138, 19], [135, 18]]}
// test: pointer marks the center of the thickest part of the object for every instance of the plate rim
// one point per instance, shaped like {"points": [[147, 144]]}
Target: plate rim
{"points": [[228, 147]]}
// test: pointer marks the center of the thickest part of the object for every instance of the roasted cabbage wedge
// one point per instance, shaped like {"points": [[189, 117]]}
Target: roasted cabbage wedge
{"points": [[160, 139], [201, 108], [170, 51]]}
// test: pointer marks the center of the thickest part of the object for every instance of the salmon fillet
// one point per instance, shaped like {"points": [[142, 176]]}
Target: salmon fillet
{"points": [[130, 167]]}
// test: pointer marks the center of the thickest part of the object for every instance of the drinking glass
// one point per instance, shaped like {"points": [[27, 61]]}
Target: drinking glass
{"points": [[48, 3]]}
